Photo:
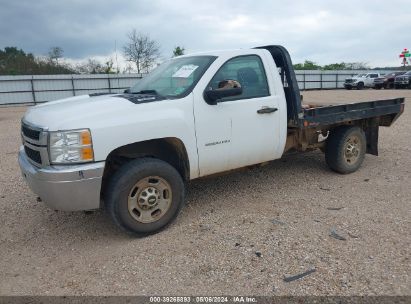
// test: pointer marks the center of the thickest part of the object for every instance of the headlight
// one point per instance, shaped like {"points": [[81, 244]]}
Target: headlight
{"points": [[70, 147]]}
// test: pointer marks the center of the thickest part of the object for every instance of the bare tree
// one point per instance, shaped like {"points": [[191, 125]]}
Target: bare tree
{"points": [[55, 53], [128, 68], [141, 50], [92, 66]]}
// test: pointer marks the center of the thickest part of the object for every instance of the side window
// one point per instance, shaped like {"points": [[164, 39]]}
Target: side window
{"points": [[246, 70]]}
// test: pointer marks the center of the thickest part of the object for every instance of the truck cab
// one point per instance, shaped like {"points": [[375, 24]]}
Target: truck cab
{"points": [[195, 115]]}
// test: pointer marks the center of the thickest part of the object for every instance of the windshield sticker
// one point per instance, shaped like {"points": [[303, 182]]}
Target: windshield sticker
{"points": [[185, 71]]}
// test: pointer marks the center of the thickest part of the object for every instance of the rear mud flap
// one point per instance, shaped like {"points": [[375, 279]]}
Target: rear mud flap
{"points": [[371, 133]]}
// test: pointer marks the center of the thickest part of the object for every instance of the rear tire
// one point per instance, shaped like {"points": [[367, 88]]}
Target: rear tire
{"points": [[345, 149], [144, 196]]}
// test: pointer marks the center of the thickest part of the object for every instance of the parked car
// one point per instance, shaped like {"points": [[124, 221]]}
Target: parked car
{"points": [[361, 81], [403, 81], [386, 81], [195, 115]]}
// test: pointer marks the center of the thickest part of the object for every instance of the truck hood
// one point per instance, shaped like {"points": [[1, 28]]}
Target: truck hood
{"points": [[354, 78], [80, 111]]}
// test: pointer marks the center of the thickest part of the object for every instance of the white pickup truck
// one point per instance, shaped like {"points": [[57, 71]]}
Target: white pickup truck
{"points": [[193, 116], [361, 81]]}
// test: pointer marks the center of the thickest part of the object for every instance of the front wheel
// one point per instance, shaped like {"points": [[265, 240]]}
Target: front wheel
{"points": [[360, 86], [345, 149], [144, 196]]}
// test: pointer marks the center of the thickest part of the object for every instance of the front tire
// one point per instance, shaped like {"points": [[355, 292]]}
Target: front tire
{"points": [[360, 86], [144, 196], [345, 149]]}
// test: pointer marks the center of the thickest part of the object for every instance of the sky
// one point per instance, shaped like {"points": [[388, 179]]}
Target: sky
{"points": [[325, 32]]}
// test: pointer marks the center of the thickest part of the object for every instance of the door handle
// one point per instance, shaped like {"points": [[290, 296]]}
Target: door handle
{"points": [[266, 110]]}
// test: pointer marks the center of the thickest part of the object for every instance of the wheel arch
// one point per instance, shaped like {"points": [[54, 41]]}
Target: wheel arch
{"points": [[170, 149]]}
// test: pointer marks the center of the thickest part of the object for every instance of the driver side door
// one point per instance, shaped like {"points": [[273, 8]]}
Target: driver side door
{"points": [[239, 130]]}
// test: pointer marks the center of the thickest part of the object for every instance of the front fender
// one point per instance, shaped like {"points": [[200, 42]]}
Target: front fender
{"points": [[156, 120]]}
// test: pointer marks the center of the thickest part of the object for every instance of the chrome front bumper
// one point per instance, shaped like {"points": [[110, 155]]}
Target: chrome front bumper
{"points": [[66, 188]]}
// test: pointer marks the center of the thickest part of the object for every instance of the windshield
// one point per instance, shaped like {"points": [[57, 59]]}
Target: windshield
{"points": [[174, 78]]}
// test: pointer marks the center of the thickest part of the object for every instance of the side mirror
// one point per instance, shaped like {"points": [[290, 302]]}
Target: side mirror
{"points": [[226, 88], [127, 91], [212, 97]]}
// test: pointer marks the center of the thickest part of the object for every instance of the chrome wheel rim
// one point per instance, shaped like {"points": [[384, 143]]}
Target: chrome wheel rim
{"points": [[149, 199], [352, 149]]}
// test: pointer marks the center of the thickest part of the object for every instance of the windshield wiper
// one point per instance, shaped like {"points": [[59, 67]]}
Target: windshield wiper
{"points": [[150, 92]]}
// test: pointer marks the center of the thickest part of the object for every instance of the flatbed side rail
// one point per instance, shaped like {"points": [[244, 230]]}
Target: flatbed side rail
{"points": [[332, 114]]}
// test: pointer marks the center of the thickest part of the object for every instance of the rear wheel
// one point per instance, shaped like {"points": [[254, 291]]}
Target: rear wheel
{"points": [[144, 196], [345, 149]]}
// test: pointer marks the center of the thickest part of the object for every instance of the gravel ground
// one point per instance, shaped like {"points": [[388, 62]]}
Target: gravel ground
{"points": [[239, 233]]}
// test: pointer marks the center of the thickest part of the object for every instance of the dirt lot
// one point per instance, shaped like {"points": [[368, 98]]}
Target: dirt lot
{"points": [[238, 234]]}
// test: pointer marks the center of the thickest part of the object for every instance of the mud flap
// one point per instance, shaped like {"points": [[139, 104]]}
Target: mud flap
{"points": [[371, 134]]}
